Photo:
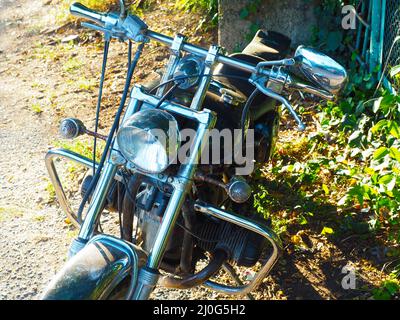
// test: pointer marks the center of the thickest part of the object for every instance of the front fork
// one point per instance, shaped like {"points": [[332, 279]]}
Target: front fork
{"points": [[182, 182]]}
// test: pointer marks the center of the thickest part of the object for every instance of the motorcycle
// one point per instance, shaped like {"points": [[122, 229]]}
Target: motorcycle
{"points": [[177, 210]]}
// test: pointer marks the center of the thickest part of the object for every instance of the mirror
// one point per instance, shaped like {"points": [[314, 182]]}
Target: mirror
{"points": [[320, 69]]}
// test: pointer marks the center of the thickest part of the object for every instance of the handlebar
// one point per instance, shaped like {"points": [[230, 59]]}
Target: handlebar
{"points": [[79, 10], [133, 28]]}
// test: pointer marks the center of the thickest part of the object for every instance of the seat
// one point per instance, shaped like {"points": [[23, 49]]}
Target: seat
{"points": [[268, 45], [265, 46]]}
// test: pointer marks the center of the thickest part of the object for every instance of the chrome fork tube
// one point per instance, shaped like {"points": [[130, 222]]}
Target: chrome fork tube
{"points": [[97, 203], [149, 275], [181, 187]]}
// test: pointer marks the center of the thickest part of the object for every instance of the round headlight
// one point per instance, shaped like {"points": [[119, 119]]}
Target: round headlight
{"points": [[150, 140]]}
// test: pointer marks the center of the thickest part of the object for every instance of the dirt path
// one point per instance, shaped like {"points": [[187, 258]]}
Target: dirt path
{"points": [[32, 234]]}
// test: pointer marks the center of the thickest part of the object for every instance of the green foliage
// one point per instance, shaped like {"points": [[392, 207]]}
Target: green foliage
{"points": [[373, 135], [247, 13], [352, 162], [387, 290], [208, 7], [84, 148]]}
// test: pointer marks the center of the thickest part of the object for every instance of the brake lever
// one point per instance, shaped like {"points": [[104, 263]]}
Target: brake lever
{"points": [[283, 100]]}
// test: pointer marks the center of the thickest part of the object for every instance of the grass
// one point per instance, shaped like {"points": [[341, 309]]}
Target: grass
{"points": [[46, 53], [63, 15], [83, 147], [51, 192], [36, 108], [9, 212], [72, 64], [39, 218], [83, 84]]}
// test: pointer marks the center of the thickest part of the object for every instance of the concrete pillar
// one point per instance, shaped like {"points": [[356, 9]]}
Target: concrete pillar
{"points": [[293, 18]]}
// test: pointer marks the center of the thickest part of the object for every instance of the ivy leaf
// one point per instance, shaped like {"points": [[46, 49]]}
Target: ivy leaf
{"points": [[394, 129], [244, 13], [388, 181], [380, 153], [354, 137], [334, 40], [395, 70], [326, 230], [302, 220], [379, 126], [390, 186], [377, 104], [395, 153]]}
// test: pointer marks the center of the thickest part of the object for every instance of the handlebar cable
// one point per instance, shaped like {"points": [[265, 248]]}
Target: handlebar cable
{"points": [[96, 126], [229, 76], [166, 95], [112, 131], [246, 110]]}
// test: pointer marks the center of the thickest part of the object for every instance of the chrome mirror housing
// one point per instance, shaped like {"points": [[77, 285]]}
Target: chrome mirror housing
{"points": [[320, 70]]}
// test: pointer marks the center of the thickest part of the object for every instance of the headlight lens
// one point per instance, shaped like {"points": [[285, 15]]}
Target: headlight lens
{"points": [[150, 140]]}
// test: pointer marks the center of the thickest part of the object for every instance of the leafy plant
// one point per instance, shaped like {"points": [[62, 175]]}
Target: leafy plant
{"points": [[387, 290], [209, 7]]}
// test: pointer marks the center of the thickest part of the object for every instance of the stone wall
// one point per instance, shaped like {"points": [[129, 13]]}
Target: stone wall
{"points": [[294, 18]]}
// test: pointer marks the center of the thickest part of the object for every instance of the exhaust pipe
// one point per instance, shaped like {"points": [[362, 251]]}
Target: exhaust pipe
{"points": [[254, 226]]}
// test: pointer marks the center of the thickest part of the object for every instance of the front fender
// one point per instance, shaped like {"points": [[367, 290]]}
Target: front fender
{"points": [[95, 271]]}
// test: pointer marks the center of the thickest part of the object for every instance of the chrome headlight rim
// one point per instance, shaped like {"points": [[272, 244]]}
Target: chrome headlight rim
{"points": [[141, 126]]}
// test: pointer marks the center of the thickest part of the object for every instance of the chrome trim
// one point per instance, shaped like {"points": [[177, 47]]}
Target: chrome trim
{"points": [[201, 91], [97, 270], [173, 62], [259, 83], [186, 173], [55, 179], [98, 199], [201, 52], [151, 101], [320, 69], [253, 226]]}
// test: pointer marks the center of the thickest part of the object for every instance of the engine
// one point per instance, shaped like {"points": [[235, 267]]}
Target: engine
{"points": [[207, 234]]}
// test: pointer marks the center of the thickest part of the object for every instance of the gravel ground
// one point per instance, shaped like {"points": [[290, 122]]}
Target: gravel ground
{"points": [[33, 235]]}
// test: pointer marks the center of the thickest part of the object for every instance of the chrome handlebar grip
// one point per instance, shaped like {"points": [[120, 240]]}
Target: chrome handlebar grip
{"points": [[79, 10]]}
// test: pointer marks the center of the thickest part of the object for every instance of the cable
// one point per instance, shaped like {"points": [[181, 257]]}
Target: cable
{"points": [[96, 126], [229, 76], [112, 131], [129, 54], [245, 111], [166, 95]]}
